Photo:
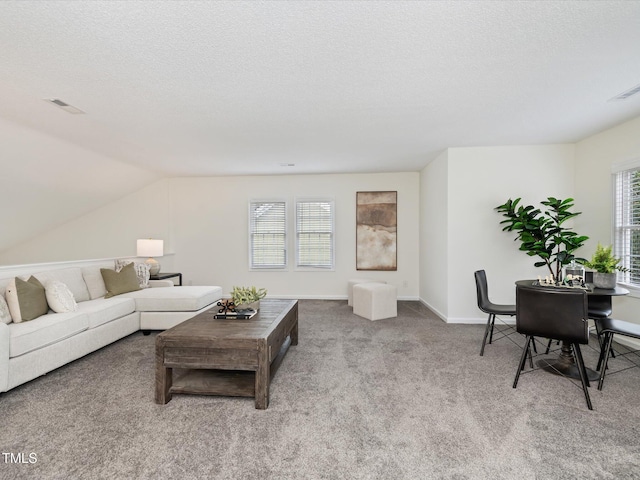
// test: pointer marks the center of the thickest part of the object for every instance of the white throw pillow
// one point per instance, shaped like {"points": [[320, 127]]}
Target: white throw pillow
{"points": [[5, 315], [59, 297]]}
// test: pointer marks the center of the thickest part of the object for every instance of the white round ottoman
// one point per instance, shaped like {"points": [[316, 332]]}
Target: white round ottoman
{"points": [[375, 301]]}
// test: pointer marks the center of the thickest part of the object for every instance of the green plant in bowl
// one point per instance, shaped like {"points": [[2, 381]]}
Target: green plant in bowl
{"points": [[243, 297], [603, 261], [606, 266]]}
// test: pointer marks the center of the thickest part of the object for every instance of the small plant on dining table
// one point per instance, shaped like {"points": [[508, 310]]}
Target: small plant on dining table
{"points": [[603, 261]]}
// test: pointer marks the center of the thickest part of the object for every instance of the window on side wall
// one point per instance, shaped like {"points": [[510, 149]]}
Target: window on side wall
{"points": [[315, 242], [627, 220], [267, 234]]}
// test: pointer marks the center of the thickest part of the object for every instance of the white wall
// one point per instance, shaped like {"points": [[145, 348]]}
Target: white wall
{"points": [[204, 222], [478, 180], [46, 182], [447, 225], [594, 156], [210, 217], [109, 231], [434, 239]]}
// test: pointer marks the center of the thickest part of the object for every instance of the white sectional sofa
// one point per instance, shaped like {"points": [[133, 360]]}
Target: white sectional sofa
{"points": [[32, 348]]}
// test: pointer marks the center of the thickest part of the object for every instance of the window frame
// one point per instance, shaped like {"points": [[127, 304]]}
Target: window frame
{"points": [[285, 225], [310, 267], [621, 207]]}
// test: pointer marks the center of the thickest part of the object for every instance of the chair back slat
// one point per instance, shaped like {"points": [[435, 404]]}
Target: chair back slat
{"points": [[552, 313]]}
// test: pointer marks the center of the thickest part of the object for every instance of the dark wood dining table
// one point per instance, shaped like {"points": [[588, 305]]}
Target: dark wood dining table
{"points": [[599, 302]]}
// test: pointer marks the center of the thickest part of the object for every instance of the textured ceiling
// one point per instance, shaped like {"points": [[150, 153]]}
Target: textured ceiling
{"points": [[227, 88]]}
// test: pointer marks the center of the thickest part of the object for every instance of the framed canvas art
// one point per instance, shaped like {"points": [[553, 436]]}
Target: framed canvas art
{"points": [[376, 230]]}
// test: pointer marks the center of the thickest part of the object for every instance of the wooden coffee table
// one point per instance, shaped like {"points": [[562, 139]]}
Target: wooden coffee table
{"points": [[226, 356]]}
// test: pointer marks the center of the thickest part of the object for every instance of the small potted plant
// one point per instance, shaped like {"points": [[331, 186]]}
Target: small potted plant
{"points": [[247, 297], [606, 267]]}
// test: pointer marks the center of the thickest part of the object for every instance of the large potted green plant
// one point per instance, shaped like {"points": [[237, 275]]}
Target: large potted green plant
{"points": [[544, 234], [606, 267]]}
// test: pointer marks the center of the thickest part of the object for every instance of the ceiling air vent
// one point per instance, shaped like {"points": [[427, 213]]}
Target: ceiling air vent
{"points": [[627, 94], [63, 105]]}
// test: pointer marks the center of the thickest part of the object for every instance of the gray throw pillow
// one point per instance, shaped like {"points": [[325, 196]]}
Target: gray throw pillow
{"points": [[27, 300], [123, 281]]}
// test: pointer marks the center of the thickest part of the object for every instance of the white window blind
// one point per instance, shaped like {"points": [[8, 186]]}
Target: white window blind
{"points": [[314, 233], [267, 234], [627, 223]]}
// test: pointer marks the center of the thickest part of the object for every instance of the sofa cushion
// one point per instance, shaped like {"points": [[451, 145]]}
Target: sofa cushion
{"points": [[5, 314], [71, 277], [95, 282], [46, 330], [175, 299], [104, 310], [26, 299], [120, 282], [59, 297]]}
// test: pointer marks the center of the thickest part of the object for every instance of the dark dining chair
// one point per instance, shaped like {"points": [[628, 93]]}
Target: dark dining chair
{"points": [[553, 313], [598, 308], [608, 327], [492, 309]]}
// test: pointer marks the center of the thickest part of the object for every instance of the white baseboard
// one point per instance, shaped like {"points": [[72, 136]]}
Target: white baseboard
{"points": [[481, 321], [467, 320], [442, 316], [328, 297]]}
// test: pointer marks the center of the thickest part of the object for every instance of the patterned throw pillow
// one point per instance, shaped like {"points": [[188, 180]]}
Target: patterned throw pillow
{"points": [[5, 315], [59, 297], [142, 271]]}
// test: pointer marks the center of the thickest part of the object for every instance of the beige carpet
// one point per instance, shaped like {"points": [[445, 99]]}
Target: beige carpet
{"points": [[404, 398]]}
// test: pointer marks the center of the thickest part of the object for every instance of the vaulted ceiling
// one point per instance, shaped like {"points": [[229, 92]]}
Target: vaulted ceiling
{"points": [[181, 88]]}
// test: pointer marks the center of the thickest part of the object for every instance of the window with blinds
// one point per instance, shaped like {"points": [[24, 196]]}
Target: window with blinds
{"points": [[315, 244], [267, 235], [627, 220]]}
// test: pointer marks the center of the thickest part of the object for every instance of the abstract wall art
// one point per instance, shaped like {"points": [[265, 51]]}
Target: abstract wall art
{"points": [[376, 230]]}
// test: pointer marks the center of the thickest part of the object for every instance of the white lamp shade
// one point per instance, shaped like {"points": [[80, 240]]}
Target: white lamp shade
{"points": [[149, 247]]}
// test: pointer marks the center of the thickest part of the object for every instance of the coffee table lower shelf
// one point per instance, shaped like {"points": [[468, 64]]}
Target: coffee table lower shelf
{"points": [[228, 383]]}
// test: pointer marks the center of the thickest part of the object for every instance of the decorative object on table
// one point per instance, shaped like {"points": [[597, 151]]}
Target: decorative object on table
{"points": [[226, 306], [376, 231], [574, 272], [568, 281], [543, 234], [606, 267], [150, 247], [573, 276], [227, 309], [247, 297]]}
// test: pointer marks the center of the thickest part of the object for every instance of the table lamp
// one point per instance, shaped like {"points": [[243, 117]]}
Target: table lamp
{"points": [[149, 247]]}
